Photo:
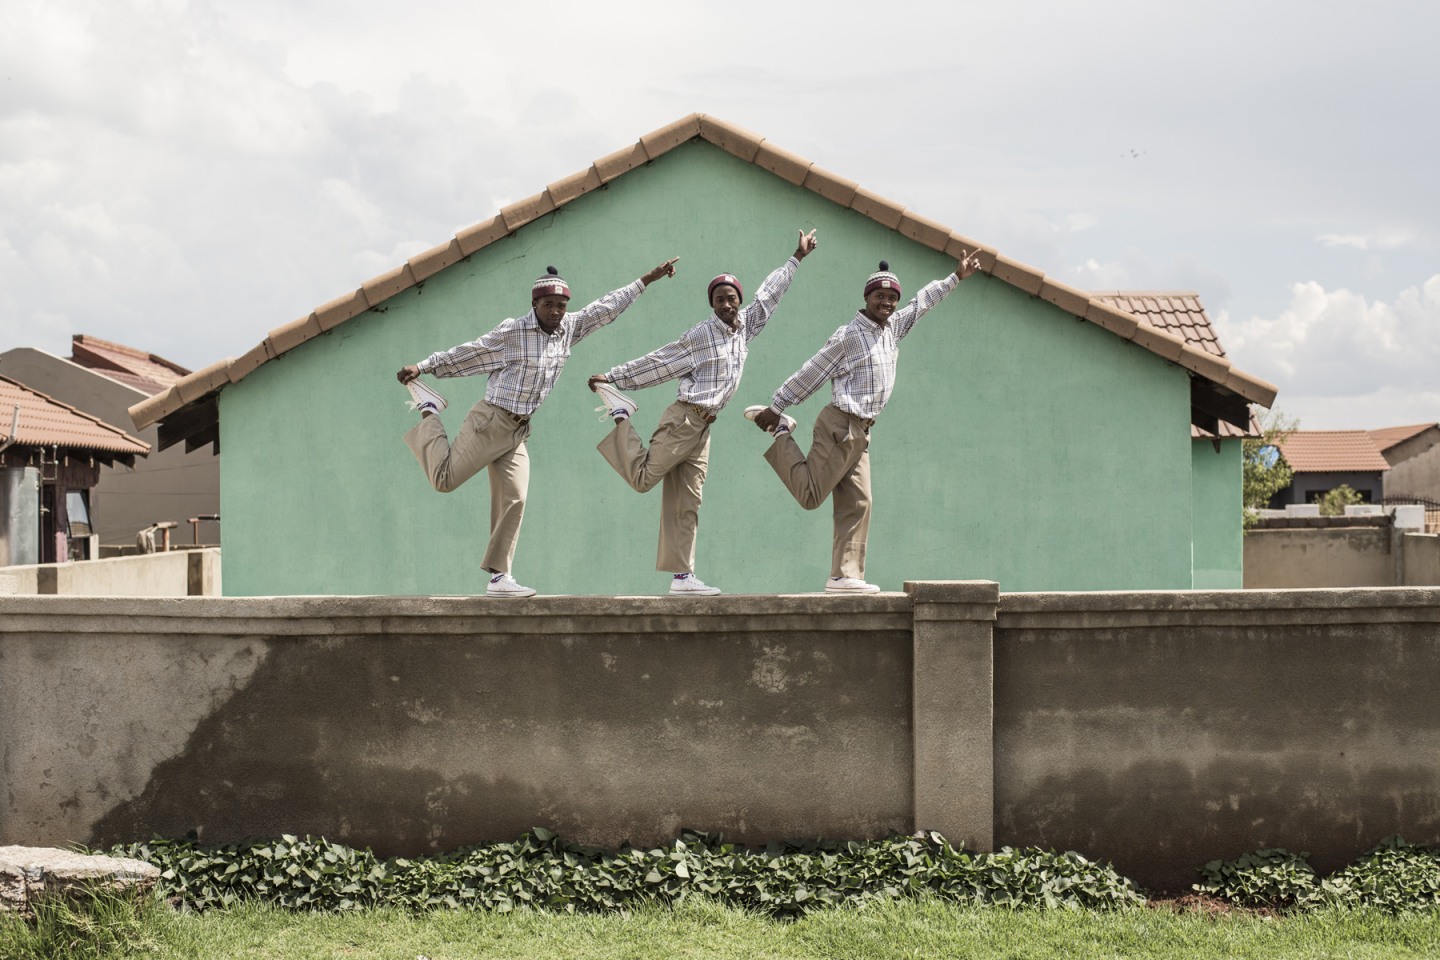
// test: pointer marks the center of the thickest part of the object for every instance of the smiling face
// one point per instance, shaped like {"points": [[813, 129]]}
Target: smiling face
{"points": [[549, 311], [725, 301], [880, 303]]}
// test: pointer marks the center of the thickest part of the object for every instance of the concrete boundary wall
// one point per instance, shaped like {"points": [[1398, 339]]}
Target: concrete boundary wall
{"points": [[175, 573], [1158, 730]]}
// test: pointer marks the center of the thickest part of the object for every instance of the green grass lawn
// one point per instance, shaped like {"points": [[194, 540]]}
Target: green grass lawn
{"points": [[906, 929]]}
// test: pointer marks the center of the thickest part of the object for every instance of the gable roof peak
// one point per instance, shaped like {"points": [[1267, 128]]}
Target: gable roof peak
{"points": [[1232, 387]]}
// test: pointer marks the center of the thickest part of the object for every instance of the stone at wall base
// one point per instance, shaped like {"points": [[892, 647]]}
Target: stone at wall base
{"points": [[29, 873]]}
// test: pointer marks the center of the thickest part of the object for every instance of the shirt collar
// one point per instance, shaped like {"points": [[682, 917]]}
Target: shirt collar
{"points": [[862, 315], [725, 328], [532, 322]]}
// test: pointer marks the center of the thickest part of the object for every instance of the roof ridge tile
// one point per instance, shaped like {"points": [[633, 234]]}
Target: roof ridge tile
{"points": [[734, 140], [784, 164]]}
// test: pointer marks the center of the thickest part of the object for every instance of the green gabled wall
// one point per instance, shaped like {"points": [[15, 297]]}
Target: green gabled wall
{"points": [[1219, 528], [1021, 445]]}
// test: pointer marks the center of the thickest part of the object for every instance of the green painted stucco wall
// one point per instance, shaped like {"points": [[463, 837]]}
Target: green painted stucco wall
{"points": [[1219, 529], [1021, 445]]}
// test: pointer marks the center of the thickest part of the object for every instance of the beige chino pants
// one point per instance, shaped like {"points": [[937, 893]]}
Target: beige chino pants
{"points": [[489, 438], [679, 455], [837, 466]]}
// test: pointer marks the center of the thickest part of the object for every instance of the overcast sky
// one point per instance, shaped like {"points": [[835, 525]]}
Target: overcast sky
{"points": [[185, 176]]}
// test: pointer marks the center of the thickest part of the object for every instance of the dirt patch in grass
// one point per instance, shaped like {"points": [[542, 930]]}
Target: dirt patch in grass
{"points": [[1209, 906]]}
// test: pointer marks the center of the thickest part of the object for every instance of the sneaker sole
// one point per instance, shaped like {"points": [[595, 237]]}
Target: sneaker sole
{"points": [[510, 595]]}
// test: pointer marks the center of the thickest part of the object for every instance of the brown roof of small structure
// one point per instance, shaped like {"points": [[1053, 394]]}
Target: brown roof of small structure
{"points": [[1332, 451], [45, 421], [1232, 387], [134, 368], [1387, 437]]}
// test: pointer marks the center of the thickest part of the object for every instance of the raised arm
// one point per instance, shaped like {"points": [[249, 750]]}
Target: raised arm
{"points": [[798, 387], [485, 355], [657, 366], [595, 315], [767, 298]]}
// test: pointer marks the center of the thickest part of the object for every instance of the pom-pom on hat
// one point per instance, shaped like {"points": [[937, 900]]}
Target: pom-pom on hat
{"points": [[883, 279], [724, 280], [550, 285]]}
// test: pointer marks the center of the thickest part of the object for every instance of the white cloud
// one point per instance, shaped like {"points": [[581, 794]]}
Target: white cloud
{"points": [[1385, 240], [1334, 350]]}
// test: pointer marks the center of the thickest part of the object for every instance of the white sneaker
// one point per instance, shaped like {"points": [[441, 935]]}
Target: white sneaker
{"points": [[504, 585], [616, 405], [849, 585], [691, 586], [422, 398], [786, 424]]}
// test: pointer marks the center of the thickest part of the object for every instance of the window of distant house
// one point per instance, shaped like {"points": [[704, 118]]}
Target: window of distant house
{"points": [[77, 505]]}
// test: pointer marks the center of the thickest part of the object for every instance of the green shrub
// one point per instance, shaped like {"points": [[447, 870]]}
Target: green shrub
{"points": [[541, 871], [1394, 877], [1265, 878]]}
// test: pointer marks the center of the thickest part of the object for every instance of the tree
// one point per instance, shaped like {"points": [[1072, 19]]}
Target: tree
{"points": [[1334, 502], [1265, 471]]}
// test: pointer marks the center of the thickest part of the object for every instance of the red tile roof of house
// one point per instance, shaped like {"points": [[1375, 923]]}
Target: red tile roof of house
{"points": [[1332, 451], [751, 148], [1387, 437], [134, 368], [45, 421]]}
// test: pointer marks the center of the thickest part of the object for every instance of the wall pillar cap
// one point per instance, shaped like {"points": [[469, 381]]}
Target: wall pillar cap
{"points": [[954, 591]]}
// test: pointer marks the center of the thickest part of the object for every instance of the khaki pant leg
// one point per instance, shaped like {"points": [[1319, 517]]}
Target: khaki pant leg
{"points": [[680, 508], [484, 436], [852, 521], [837, 444], [509, 484], [677, 436], [679, 456]]}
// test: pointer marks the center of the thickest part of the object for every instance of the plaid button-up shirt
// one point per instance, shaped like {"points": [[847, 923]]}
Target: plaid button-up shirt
{"points": [[522, 359], [860, 358], [710, 357]]}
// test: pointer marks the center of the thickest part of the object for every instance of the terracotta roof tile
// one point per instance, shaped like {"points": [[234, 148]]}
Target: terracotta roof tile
{"points": [[45, 421], [736, 141], [1017, 274], [831, 186], [924, 231], [425, 265], [481, 235], [1332, 451], [132, 367], [670, 136], [622, 161], [1172, 325], [1387, 437], [884, 212], [1177, 313], [576, 185]]}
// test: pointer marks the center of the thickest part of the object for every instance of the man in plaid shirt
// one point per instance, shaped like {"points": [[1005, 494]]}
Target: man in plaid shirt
{"points": [[859, 362], [524, 358], [708, 360]]}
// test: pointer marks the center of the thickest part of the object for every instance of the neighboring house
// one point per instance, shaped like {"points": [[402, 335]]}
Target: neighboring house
{"points": [[1323, 460], [1413, 453], [105, 379], [1039, 436], [50, 460]]}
